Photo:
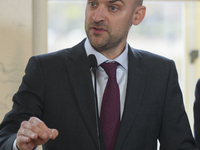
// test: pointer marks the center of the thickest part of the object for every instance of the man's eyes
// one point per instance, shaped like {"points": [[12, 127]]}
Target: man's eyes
{"points": [[92, 4], [113, 8]]}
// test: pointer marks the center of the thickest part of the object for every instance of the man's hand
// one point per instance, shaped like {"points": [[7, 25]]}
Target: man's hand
{"points": [[33, 133]]}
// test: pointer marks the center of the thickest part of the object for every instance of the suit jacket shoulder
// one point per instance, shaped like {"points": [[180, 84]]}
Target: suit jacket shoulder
{"points": [[69, 53], [150, 58]]}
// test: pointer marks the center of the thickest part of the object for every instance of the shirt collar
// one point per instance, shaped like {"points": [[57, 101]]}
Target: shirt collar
{"points": [[122, 59]]}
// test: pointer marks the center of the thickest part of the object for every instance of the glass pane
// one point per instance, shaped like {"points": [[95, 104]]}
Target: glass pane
{"points": [[65, 24]]}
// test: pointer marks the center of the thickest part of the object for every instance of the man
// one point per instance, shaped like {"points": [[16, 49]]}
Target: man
{"points": [[197, 114], [58, 89]]}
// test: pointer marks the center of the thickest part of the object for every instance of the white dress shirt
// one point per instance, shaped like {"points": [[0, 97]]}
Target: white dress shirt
{"points": [[122, 74]]}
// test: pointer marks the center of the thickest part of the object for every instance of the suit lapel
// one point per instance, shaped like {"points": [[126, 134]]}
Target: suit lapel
{"points": [[80, 78], [134, 93]]}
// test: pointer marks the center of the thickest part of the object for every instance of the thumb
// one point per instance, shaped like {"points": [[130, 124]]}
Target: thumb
{"points": [[55, 133]]}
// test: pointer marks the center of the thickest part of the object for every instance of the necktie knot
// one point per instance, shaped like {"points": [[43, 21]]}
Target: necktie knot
{"points": [[110, 69]]}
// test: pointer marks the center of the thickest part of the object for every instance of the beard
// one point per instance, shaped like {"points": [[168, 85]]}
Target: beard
{"points": [[98, 41], [110, 39]]}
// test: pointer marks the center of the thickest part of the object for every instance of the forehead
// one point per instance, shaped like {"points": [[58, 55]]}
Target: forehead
{"points": [[113, 1], [116, 1]]}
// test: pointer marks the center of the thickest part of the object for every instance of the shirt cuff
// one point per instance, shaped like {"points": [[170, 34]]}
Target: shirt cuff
{"points": [[15, 146]]}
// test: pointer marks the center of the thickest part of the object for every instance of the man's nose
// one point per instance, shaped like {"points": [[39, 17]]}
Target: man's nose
{"points": [[99, 14]]}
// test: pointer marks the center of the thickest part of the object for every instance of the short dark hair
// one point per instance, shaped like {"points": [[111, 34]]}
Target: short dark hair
{"points": [[138, 2]]}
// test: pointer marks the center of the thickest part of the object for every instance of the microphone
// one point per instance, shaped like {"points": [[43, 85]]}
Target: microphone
{"points": [[92, 61]]}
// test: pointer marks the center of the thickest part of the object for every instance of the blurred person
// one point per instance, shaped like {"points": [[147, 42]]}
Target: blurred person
{"points": [[139, 98], [197, 114]]}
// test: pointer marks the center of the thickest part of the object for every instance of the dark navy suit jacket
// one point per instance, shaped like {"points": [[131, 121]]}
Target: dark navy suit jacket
{"points": [[58, 89]]}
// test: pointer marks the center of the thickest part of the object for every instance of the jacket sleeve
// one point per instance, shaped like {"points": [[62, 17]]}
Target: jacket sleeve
{"points": [[175, 132], [27, 102]]}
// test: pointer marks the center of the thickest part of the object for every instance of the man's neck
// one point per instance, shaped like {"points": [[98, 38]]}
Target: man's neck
{"points": [[113, 52]]}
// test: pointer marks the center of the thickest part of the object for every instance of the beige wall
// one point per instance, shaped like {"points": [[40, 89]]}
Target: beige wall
{"points": [[23, 29], [15, 47]]}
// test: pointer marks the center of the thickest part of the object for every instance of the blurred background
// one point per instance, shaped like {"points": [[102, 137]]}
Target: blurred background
{"points": [[171, 28]]}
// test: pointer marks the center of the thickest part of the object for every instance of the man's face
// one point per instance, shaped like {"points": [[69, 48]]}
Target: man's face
{"points": [[107, 22]]}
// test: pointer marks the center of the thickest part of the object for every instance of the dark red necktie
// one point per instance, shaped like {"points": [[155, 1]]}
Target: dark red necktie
{"points": [[110, 108]]}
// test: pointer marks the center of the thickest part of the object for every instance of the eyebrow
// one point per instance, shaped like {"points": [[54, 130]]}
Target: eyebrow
{"points": [[113, 1]]}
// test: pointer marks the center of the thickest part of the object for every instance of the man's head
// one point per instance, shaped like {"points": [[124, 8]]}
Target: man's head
{"points": [[107, 23]]}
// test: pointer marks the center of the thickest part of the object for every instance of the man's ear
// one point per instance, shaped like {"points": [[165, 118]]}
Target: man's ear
{"points": [[138, 15]]}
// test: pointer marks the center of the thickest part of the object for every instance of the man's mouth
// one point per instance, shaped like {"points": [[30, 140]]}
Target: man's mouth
{"points": [[98, 30]]}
